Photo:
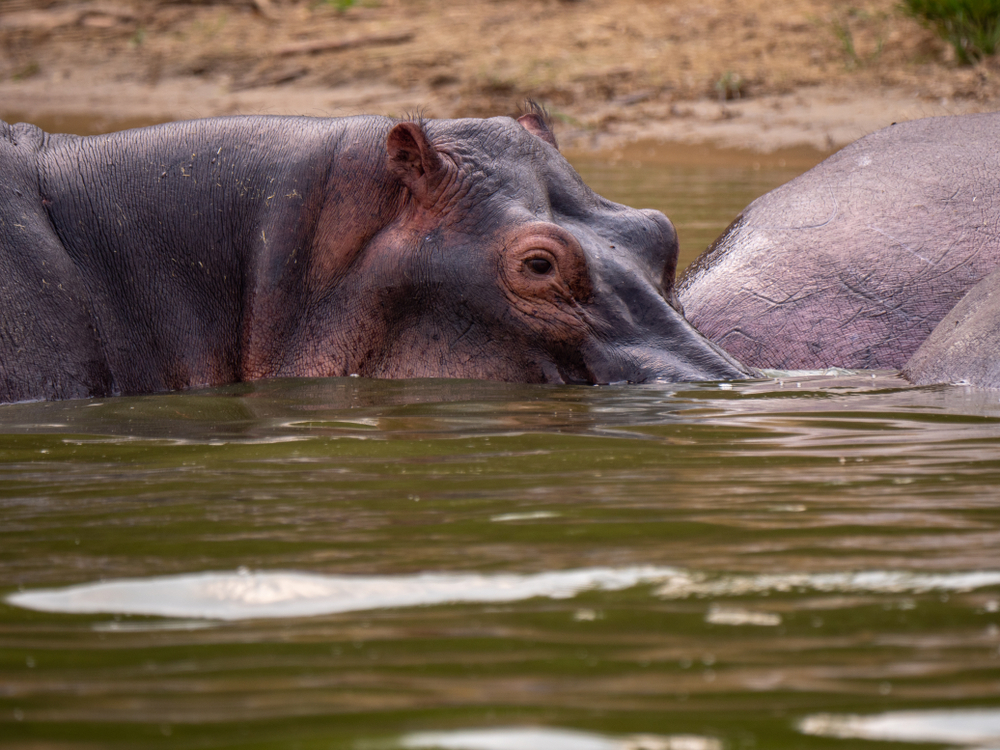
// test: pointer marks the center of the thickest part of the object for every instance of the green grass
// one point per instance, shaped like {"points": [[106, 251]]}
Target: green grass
{"points": [[971, 27]]}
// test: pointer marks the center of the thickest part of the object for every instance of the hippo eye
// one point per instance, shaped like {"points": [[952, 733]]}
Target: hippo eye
{"points": [[541, 266]]}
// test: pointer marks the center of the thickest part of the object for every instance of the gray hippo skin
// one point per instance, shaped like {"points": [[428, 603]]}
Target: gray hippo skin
{"points": [[964, 347], [855, 262], [224, 250]]}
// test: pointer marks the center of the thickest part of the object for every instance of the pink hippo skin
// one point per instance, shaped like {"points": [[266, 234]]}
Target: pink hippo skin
{"points": [[964, 347], [855, 262]]}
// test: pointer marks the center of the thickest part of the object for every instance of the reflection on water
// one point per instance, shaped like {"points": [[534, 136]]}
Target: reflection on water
{"points": [[723, 615], [532, 516], [516, 738], [880, 581], [969, 727], [247, 595]]}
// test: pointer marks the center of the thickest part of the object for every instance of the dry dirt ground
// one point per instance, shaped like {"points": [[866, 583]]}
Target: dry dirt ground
{"points": [[757, 74]]}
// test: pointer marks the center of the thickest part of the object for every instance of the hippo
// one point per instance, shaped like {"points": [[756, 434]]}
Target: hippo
{"points": [[854, 263], [231, 249], [962, 349]]}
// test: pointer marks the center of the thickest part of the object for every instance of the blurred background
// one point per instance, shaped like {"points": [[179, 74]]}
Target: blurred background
{"points": [[753, 74]]}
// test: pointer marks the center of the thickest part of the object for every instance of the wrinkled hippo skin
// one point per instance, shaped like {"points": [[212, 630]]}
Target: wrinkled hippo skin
{"points": [[963, 347], [855, 262], [231, 249]]}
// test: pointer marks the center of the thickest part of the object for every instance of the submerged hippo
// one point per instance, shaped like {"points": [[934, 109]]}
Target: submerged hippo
{"points": [[854, 263], [223, 250], [964, 346]]}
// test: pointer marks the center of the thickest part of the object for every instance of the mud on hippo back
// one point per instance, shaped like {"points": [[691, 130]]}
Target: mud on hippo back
{"points": [[854, 263], [223, 250]]}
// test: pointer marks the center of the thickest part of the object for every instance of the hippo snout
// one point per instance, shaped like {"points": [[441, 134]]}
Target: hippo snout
{"points": [[650, 364], [664, 348]]}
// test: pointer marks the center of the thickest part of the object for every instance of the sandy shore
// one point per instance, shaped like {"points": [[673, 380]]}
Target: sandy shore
{"points": [[759, 76], [822, 118]]}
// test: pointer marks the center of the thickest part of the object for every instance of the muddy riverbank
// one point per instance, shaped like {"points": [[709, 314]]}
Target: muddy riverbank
{"points": [[754, 75]]}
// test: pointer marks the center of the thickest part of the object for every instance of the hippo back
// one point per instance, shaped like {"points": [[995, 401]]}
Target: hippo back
{"points": [[855, 262]]}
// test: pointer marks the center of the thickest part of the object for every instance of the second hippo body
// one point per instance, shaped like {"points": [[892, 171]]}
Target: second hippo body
{"points": [[855, 262]]}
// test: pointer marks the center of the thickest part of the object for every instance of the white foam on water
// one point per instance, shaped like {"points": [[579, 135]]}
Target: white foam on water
{"points": [[542, 738], [965, 727], [684, 585], [242, 594]]}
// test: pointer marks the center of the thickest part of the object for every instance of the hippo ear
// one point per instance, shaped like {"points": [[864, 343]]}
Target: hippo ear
{"points": [[535, 124], [413, 158]]}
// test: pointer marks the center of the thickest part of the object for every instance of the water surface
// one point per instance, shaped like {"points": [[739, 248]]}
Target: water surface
{"points": [[792, 562]]}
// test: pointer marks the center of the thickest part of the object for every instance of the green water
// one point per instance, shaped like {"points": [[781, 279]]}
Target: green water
{"points": [[763, 499], [699, 188], [798, 559]]}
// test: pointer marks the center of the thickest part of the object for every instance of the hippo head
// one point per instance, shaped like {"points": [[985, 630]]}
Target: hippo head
{"points": [[493, 260]]}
